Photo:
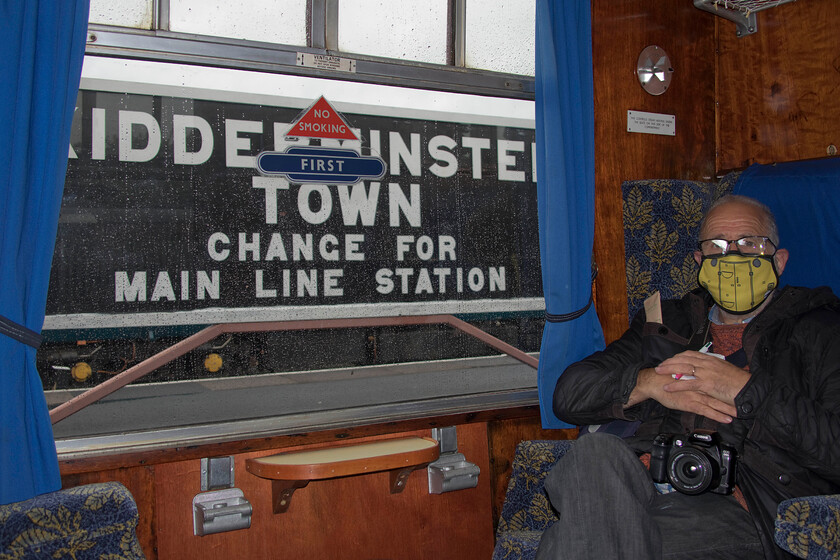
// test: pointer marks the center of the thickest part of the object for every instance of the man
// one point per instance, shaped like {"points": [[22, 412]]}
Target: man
{"points": [[775, 399]]}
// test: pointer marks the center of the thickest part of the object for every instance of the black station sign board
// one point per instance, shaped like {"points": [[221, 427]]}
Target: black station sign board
{"points": [[176, 205]]}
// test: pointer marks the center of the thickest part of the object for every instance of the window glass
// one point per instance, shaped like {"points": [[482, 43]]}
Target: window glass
{"points": [[280, 21], [402, 29], [123, 13], [167, 227], [500, 36]]}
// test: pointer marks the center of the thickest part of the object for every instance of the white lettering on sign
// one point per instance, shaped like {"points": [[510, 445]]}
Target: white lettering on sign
{"points": [[136, 288], [323, 128], [131, 120], [278, 239], [322, 164], [306, 283], [203, 135], [256, 247], [419, 281], [191, 140], [235, 144]]}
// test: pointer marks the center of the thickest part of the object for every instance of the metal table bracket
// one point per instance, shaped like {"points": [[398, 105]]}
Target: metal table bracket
{"points": [[451, 471]]}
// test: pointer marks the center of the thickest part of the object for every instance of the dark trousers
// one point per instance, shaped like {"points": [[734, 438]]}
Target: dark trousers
{"points": [[609, 508]]}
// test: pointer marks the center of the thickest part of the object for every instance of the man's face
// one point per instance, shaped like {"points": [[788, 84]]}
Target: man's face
{"points": [[735, 220]]}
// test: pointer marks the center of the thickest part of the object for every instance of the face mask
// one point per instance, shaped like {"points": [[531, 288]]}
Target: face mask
{"points": [[738, 283]]}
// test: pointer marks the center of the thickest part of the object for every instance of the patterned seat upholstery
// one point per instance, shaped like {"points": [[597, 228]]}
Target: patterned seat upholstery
{"points": [[810, 527], [526, 512], [661, 223], [96, 521]]}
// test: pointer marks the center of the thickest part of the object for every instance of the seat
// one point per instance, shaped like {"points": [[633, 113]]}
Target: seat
{"points": [[526, 512], [661, 221], [86, 522]]}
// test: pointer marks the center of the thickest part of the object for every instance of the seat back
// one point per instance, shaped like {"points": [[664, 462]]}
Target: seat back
{"points": [[805, 198], [661, 222], [86, 522]]}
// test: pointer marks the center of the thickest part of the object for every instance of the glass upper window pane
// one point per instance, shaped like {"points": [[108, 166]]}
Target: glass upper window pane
{"points": [[281, 21], [123, 13], [401, 29], [500, 36]]}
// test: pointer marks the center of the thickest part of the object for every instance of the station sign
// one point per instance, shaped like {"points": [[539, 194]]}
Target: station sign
{"points": [[197, 206]]}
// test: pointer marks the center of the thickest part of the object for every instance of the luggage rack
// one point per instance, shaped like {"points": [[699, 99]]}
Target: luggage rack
{"points": [[741, 12]]}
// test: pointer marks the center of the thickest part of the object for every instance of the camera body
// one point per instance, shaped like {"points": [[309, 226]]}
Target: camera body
{"points": [[694, 463]]}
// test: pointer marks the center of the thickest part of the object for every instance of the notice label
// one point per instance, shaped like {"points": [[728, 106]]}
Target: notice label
{"points": [[651, 123], [326, 62]]}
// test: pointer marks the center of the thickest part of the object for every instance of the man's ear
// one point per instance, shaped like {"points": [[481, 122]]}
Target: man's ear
{"points": [[780, 259], [698, 256]]}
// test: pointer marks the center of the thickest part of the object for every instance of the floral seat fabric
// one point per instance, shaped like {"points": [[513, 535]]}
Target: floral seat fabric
{"points": [[527, 512], [96, 521], [810, 527]]}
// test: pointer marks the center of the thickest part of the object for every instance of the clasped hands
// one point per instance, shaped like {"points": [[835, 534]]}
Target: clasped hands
{"points": [[711, 393]]}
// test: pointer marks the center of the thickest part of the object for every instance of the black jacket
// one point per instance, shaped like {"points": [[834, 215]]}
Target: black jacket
{"points": [[787, 431]]}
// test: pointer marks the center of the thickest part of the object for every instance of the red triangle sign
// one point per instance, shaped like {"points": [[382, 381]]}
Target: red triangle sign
{"points": [[322, 121]]}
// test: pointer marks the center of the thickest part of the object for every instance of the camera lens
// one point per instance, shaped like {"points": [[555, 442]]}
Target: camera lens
{"points": [[690, 471]]}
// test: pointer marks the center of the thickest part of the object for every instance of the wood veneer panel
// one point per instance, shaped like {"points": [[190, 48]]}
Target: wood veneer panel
{"points": [[621, 30], [779, 89], [348, 518]]}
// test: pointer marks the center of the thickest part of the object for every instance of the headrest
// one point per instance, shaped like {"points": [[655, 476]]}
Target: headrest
{"points": [[805, 198]]}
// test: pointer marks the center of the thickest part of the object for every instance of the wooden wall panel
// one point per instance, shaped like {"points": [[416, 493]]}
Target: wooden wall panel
{"points": [[348, 518], [621, 29], [779, 89]]}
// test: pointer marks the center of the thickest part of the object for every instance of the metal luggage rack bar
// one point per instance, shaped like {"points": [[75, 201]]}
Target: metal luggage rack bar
{"points": [[741, 12]]}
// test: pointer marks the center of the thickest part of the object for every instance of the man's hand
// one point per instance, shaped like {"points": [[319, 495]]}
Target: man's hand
{"points": [[652, 384], [713, 376]]}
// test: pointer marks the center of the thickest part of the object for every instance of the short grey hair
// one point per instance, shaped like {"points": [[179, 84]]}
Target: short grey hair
{"points": [[768, 220]]}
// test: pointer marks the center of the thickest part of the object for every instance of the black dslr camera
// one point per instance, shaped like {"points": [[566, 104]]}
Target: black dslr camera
{"points": [[695, 463]]}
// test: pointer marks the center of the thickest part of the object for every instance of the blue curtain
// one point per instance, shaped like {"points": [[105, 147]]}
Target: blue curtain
{"points": [[40, 64], [565, 189]]}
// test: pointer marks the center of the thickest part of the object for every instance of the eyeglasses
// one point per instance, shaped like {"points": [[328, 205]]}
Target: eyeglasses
{"points": [[750, 245]]}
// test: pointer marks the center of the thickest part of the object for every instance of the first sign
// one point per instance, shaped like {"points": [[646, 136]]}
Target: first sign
{"points": [[317, 164], [304, 164]]}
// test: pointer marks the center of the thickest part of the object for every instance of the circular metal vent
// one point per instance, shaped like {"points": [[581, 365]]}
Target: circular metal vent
{"points": [[654, 70]]}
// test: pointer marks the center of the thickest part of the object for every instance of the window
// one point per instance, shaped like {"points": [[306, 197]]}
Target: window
{"points": [[254, 20], [401, 29], [500, 36], [123, 13], [167, 227]]}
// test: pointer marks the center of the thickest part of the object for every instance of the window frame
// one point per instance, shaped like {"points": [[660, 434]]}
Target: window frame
{"points": [[160, 44]]}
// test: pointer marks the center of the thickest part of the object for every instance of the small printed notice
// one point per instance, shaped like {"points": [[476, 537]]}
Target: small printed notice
{"points": [[326, 62], [651, 123]]}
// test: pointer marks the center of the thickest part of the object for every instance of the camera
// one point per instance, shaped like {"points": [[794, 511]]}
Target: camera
{"points": [[694, 463]]}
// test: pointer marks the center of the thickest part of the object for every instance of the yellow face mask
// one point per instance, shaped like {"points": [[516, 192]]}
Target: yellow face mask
{"points": [[738, 283]]}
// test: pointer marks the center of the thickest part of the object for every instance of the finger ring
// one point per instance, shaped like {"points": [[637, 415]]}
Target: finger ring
{"points": [[693, 370]]}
